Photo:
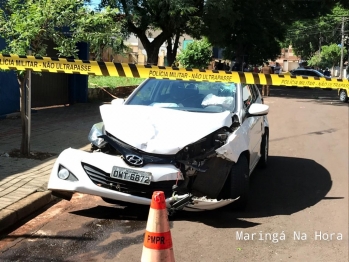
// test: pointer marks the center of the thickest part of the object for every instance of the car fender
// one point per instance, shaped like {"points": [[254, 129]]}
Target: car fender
{"points": [[343, 89], [236, 143], [266, 123]]}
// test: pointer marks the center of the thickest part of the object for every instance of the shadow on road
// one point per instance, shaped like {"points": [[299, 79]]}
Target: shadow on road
{"points": [[134, 212], [288, 185]]}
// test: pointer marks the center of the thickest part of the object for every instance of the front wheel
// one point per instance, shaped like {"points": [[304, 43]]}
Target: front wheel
{"points": [[264, 149], [343, 96], [238, 183]]}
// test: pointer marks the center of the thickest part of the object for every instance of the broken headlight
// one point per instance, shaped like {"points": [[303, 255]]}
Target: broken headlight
{"points": [[96, 131], [204, 147]]}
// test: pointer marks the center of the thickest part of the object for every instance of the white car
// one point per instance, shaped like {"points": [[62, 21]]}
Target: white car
{"points": [[196, 141]]}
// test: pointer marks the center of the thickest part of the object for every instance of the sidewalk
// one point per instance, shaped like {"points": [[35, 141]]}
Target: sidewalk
{"points": [[23, 182]]}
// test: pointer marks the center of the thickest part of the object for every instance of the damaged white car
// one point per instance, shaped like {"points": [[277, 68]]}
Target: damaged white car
{"points": [[196, 141]]}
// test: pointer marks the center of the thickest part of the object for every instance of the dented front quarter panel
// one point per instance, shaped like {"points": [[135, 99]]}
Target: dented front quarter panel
{"points": [[237, 142]]}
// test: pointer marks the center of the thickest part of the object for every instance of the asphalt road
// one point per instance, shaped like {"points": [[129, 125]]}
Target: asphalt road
{"points": [[298, 209]]}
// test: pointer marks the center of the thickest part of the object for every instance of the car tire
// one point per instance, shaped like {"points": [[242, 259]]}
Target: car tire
{"points": [[263, 161], [238, 183], [343, 97]]}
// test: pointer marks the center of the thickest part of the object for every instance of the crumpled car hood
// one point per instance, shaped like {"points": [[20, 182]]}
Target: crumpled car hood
{"points": [[160, 130]]}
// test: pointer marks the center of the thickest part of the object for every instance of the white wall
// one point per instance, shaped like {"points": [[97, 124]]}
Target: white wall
{"points": [[292, 65]]}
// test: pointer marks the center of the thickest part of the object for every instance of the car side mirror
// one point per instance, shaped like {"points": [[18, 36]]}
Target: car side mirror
{"points": [[258, 110]]}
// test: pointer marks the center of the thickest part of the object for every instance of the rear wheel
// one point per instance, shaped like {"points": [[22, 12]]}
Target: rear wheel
{"points": [[343, 96], [238, 183]]}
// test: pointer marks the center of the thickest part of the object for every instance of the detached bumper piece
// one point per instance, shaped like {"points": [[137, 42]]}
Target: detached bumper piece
{"points": [[103, 179], [180, 204]]}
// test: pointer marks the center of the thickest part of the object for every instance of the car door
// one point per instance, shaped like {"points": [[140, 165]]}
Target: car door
{"points": [[254, 124], [260, 122]]}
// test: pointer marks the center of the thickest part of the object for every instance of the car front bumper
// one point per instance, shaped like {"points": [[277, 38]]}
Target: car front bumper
{"points": [[98, 182]]}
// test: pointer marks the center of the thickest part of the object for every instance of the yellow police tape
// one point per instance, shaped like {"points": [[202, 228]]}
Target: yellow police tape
{"points": [[84, 67]]}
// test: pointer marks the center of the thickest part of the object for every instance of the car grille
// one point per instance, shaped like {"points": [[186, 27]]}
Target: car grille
{"points": [[103, 179], [126, 149]]}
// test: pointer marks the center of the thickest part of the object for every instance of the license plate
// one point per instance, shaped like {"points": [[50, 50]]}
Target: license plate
{"points": [[131, 175]]}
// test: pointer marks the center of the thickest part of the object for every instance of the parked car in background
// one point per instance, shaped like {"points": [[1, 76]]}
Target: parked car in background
{"points": [[307, 72], [196, 141]]}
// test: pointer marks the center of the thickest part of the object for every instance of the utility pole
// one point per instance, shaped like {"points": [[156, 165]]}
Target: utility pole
{"points": [[342, 51]]}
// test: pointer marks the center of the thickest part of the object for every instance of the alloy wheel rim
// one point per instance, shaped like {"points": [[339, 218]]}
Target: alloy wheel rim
{"points": [[342, 96]]}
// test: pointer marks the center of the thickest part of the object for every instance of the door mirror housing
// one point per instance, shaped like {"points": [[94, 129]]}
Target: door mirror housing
{"points": [[258, 110]]}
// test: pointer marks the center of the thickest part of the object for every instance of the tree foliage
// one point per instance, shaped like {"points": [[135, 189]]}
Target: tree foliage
{"points": [[32, 24], [307, 36], [250, 30], [331, 54], [254, 30], [316, 61], [171, 17], [196, 55]]}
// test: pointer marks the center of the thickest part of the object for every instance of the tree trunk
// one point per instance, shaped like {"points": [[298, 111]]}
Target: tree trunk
{"points": [[25, 148], [152, 55], [172, 53], [153, 47]]}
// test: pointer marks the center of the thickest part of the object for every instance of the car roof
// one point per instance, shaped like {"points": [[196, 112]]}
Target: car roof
{"points": [[308, 69]]}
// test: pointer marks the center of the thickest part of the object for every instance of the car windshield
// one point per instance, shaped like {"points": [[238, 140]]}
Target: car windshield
{"points": [[319, 73], [186, 95]]}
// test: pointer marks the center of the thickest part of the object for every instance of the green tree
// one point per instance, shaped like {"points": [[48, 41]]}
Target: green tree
{"points": [[31, 24], [316, 61], [254, 30], [171, 18], [247, 29], [196, 55], [331, 54], [307, 36]]}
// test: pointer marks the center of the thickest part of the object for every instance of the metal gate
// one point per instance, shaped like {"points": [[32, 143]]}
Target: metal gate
{"points": [[50, 89]]}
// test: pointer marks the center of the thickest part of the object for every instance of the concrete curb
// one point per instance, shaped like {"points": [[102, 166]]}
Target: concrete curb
{"points": [[23, 208]]}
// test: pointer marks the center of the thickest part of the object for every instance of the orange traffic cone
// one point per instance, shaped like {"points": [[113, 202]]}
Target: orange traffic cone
{"points": [[157, 245]]}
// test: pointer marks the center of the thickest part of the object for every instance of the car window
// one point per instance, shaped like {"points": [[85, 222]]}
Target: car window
{"points": [[295, 72], [319, 74], [255, 91], [247, 95], [142, 98], [185, 95], [312, 73], [300, 73]]}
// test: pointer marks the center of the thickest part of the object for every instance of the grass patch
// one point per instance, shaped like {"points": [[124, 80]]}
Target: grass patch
{"points": [[112, 81]]}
